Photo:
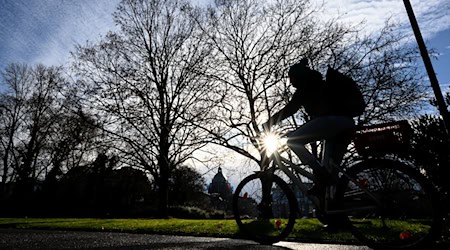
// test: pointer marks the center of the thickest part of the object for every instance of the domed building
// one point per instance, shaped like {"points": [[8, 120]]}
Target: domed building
{"points": [[220, 186]]}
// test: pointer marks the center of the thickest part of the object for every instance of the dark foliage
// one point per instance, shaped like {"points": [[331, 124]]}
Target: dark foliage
{"points": [[96, 190], [430, 148], [186, 186]]}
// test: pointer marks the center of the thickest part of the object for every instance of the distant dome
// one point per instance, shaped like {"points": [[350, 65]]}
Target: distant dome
{"points": [[219, 178], [220, 185]]}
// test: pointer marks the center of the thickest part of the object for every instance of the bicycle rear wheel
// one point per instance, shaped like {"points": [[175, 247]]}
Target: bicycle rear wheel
{"points": [[389, 205], [264, 208]]}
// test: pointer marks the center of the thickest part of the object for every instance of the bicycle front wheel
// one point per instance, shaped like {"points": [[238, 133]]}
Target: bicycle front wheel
{"points": [[264, 208], [389, 205]]}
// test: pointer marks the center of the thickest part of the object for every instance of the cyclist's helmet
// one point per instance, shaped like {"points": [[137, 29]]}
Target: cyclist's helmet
{"points": [[300, 73]]}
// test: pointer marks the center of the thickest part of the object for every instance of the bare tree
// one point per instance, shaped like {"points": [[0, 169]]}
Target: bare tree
{"points": [[256, 42], [31, 108], [385, 64], [72, 140], [146, 82], [12, 110]]}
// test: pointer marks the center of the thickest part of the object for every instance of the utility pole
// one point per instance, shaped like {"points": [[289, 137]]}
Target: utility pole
{"points": [[440, 101], [429, 67]]}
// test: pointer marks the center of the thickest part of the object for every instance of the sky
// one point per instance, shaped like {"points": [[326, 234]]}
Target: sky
{"points": [[433, 17], [45, 31]]}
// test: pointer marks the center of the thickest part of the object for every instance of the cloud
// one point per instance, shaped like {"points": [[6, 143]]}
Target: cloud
{"points": [[432, 15], [46, 31], [83, 20]]}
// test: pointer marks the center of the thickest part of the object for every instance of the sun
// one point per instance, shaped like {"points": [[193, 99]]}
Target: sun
{"points": [[272, 142]]}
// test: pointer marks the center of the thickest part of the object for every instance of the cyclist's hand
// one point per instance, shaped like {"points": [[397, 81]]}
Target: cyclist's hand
{"points": [[266, 126]]}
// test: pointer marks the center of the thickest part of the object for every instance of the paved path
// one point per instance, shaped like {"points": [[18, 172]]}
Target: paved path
{"points": [[45, 239]]}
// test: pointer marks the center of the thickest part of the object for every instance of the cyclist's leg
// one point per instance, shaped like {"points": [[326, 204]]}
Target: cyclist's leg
{"points": [[333, 152], [318, 129], [326, 127]]}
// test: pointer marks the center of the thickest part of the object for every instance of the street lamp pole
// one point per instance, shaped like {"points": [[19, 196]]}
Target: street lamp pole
{"points": [[429, 67]]}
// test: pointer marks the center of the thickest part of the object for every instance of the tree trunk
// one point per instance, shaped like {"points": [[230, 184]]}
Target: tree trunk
{"points": [[164, 171], [163, 206], [5, 175]]}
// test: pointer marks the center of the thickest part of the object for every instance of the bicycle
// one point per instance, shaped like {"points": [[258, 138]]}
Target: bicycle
{"points": [[383, 202]]}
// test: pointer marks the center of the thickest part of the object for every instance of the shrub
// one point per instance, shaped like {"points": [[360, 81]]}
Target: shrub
{"points": [[184, 212]]}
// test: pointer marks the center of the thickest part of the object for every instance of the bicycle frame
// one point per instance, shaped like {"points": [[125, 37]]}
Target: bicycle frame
{"points": [[383, 202], [307, 158], [284, 164]]}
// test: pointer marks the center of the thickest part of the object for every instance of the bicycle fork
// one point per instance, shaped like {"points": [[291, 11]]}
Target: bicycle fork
{"points": [[265, 207]]}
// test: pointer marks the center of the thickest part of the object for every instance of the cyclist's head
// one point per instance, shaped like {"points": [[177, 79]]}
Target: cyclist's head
{"points": [[300, 74]]}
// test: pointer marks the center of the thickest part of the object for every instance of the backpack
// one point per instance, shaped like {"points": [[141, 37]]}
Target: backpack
{"points": [[344, 95]]}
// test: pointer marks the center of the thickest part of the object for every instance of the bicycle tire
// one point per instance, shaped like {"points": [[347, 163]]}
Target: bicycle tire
{"points": [[406, 215], [266, 224]]}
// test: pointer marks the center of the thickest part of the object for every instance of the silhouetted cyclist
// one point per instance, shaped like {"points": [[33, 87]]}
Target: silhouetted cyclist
{"points": [[328, 118]]}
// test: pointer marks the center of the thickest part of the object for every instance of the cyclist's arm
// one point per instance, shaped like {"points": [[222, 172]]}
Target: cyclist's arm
{"points": [[291, 108]]}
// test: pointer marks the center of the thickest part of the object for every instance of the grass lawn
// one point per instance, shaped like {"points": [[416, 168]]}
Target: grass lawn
{"points": [[304, 230]]}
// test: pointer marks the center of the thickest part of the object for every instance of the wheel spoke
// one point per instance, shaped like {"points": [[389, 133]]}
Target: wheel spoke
{"points": [[403, 203], [264, 217]]}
